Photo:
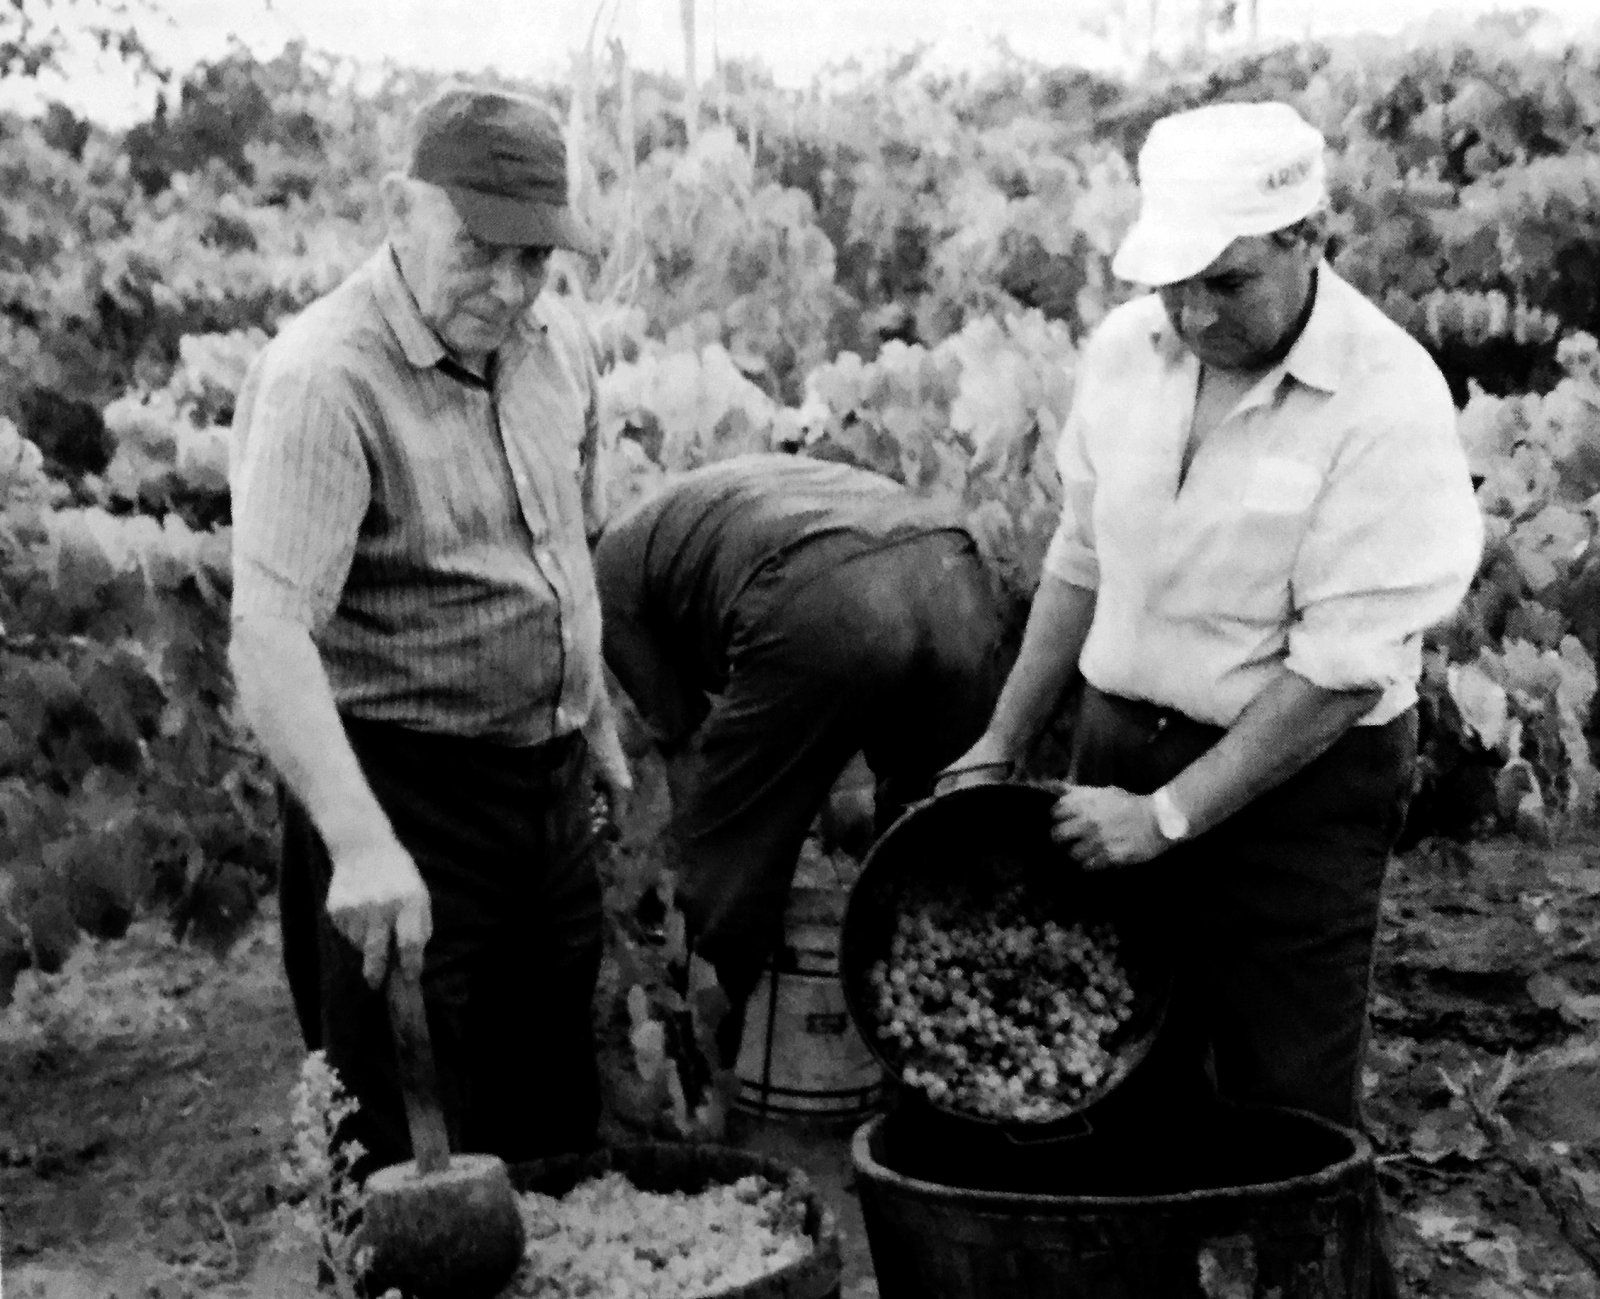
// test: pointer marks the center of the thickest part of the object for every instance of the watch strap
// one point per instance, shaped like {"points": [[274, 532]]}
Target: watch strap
{"points": [[1170, 818]]}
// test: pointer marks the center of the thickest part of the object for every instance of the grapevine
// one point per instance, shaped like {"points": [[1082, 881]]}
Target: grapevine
{"points": [[1000, 1012], [892, 268]]}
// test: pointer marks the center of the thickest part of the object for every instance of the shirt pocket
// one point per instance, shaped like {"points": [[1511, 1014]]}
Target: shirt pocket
{"points": [[1281, 486]]}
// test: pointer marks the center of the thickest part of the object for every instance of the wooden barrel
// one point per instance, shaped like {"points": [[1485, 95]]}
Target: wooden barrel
{"points": [[1261, 1204], [801, 1055]]}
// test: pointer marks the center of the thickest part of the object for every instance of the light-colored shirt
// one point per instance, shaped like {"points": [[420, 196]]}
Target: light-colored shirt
{"points": [[429, 530], [1323, 525]]}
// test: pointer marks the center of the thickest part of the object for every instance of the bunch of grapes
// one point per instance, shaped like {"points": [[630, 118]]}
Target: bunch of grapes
{"points": [[997, 1010], [607, 1239]]}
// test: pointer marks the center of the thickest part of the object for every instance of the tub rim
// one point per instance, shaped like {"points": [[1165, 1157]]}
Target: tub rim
{"points": [[1361, 1158]]}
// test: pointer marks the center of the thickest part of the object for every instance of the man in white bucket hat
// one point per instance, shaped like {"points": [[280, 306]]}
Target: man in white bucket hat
{"points": [[1265, 505], [1214, 175]]}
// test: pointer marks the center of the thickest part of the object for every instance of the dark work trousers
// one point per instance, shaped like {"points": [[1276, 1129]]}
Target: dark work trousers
{"points": [[834, 650], [504, 841], [1270, 917]]}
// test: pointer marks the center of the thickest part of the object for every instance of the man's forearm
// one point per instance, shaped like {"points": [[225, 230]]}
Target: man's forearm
{"points": [[669, 707], [286, 698], [1287, 725], [1058, 624]]}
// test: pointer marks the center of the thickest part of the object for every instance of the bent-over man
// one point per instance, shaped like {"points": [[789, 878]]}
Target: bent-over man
{"points": [[771, 616]]}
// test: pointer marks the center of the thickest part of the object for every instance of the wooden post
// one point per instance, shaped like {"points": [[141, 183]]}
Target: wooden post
{"points": [[691, 86], [627, 128], [582, 113]]}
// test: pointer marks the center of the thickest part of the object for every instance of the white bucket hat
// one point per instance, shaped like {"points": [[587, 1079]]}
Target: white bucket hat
{"points": [[1212, 175]]}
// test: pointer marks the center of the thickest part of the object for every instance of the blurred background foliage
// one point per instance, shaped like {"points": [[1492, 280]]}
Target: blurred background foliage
{"points": [[893, 266]]}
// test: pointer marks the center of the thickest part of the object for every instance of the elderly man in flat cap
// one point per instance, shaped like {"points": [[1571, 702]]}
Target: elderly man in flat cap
{"points": [[416, 639], [1266, 505]]}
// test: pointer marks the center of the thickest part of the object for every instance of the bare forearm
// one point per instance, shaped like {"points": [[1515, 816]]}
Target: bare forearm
{"points": [[286, 698], [376, 897], [604, 738], [1287, 725], [1046, 664]]}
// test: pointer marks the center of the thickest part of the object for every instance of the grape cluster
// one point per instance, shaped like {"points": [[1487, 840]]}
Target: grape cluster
{"points": [[607, 1239], [996, 1010]]}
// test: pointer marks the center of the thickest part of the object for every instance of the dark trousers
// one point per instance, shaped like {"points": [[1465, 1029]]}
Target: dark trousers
{"points": [[505, 845], [894, 653], [1270, 918]]}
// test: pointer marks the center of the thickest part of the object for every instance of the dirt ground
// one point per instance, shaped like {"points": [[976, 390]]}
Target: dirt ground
{"points": [[144, 1113], [144, 1101]]}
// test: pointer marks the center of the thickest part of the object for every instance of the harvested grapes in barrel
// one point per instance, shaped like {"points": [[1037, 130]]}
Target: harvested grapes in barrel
{"points": [[998, 1010], [607, 1239]]}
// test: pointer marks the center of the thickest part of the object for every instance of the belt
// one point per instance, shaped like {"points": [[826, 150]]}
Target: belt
{"points": [[1152, 720], [535, 759]]}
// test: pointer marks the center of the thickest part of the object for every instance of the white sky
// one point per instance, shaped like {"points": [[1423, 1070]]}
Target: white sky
{"points": [[794, 38]]}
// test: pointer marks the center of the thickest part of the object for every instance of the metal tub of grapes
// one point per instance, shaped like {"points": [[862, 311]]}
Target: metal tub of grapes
{"points": [[1012, 1007], [673, 1220], [991, 977]]}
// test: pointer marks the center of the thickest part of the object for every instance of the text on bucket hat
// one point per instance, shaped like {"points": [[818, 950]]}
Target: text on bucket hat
{"points": [[501, 159], [1211, 175]]}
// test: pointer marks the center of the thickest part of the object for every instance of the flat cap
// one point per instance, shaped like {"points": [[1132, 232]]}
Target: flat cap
{"points": [[501, 159]]}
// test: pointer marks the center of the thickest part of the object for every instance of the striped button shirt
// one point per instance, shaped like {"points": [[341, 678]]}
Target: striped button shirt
{"points": [[427, 528], [1323, 525]]}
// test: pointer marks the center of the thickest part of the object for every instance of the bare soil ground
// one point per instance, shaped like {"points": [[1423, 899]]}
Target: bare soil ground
{"points": [[144, 1100]]}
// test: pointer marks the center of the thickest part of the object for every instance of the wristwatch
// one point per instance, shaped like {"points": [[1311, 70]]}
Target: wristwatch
{"points": [[1170, 818]]}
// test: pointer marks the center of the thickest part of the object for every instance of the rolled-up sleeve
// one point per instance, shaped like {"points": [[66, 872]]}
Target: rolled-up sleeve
{"points": [[301, 487], [1071, 555], [1393, 544]]}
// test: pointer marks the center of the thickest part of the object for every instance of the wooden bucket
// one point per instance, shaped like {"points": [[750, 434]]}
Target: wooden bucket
{"points": [[801, 1056]]}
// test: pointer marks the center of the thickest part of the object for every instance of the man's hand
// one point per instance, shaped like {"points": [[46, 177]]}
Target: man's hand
{"points": [[377, 900], [1106, 827], [989, 759], [605, 746]]}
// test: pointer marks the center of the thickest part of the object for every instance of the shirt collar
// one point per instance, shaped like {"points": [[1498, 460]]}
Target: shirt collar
{"points": [[422, 347], [1317, 358]]}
